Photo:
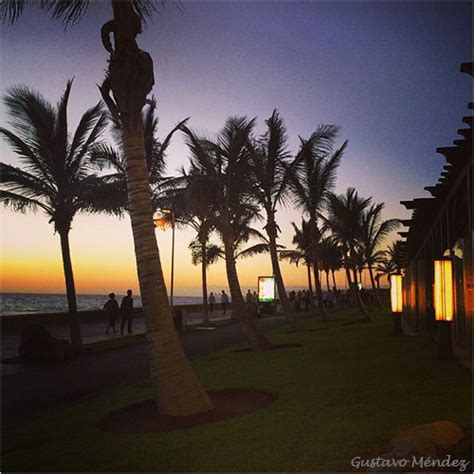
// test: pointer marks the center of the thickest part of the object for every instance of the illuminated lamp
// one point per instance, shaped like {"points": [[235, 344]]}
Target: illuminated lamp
{"points": [[444, 305], [266, 294], [396, 300], [266, 289]]}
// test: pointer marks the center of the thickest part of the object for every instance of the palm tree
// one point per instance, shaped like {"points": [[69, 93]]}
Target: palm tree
{"points": [[385, 267], [130, 79], [271, 172], [330, 258], [344, 219], [302, 238], [194, 204], [104, 156], [374, 231], [358, 261], [395, 254], [54, 176], [224, 164], [312, 180], [206, 256]]}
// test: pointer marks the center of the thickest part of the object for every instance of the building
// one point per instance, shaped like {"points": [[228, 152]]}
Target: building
{"points": [[442, 226]]}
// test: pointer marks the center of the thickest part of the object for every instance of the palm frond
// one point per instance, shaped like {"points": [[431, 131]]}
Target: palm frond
{"points": [[103, 156], [19, 203], [91, 126], [24, 183], [98, 195]]}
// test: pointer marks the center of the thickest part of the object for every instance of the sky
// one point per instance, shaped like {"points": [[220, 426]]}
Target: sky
{"points": [[386, 73]]}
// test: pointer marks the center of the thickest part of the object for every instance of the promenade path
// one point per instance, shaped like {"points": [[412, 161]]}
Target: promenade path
{"points": [[93, 332], [32, 390]]}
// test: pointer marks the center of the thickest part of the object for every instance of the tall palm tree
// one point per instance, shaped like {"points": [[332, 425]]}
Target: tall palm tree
{"points": [[54, 176], [374, 231], [344, 219], [358, 261], [194, 205], [205, 255], [271, 170], [129, 80], [302, 238], [224, 164], [313, 178]]}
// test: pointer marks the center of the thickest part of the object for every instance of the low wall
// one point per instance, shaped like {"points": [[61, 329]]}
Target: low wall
{"points": [[15, 322]]}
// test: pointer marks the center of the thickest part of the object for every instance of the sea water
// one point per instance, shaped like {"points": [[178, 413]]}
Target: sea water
{"points": [[22, 303]]}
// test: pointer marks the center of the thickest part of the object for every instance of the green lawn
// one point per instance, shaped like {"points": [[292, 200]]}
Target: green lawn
{"points": [[348, 389]]}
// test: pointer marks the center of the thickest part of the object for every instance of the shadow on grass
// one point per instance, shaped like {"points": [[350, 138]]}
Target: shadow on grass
{"points": [[275, 347], [229, 403]]}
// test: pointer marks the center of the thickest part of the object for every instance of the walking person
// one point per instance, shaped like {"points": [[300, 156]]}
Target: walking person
{"points": [[224, 301], [211, 301], [305, 299], [112, 309], [126, 308], [248, 297], [255, 303]]}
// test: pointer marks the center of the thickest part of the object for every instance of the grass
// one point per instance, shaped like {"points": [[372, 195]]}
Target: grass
{"points": [[348, 389]]}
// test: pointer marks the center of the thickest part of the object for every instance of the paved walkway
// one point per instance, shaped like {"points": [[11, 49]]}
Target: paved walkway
{"points": [[35, 389], [92, 332]]}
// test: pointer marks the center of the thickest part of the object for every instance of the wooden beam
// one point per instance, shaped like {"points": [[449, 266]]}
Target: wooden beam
{"points": [[467, 68]]}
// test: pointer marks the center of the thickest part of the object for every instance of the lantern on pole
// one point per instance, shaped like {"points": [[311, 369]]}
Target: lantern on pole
{"points": [[396, 300], [444, 305]]}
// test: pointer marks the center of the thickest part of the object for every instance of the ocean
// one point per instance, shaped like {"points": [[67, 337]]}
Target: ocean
{"points": [[22, 303]]}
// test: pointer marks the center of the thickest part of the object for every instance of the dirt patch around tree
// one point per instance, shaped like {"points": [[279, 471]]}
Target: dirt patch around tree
{"points": [[274, 347], [143, 417]]}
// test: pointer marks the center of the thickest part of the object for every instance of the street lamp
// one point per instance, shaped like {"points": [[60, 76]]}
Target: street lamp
{"points": [[162, 222], [396, 300], [444, 305]]}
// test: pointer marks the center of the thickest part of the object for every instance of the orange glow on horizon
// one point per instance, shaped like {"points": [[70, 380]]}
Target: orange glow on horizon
{"points": [[103, 259]]}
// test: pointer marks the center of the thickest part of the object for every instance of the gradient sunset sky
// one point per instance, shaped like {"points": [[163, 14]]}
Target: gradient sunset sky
{"points": [[387, 73]]}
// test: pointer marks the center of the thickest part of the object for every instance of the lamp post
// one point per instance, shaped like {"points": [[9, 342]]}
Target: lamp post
{"points": [[161, 223], [396, 300], [444, 305]]}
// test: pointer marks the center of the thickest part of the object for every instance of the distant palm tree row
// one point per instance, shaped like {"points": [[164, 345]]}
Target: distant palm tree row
{"points": [[231, 182]]}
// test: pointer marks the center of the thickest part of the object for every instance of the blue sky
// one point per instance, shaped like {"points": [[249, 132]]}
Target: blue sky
{"points": [[387, 73]]}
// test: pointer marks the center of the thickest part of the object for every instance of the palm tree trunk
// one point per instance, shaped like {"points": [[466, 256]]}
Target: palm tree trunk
{"points": [[375, 288], [205, 306], [285, 303], [327, 280], [310, 284], [358, 297], [334, 280], [74, 327], [319, 293], [178, 391], [256, 339]]}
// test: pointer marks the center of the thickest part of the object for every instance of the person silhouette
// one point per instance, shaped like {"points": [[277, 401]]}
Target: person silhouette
{"points": [[126, 308], [212, 300], [224, 300], [112, 309]]}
